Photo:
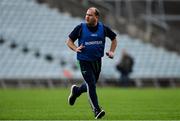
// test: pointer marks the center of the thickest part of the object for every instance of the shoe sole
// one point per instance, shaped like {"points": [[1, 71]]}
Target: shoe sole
{"points": [[100, 115], [71, 94]]}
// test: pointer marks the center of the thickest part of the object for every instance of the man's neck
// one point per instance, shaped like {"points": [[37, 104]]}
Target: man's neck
{"points": [[92, 25]]}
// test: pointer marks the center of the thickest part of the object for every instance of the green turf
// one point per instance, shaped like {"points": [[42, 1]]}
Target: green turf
{"points": [[119, 104]]}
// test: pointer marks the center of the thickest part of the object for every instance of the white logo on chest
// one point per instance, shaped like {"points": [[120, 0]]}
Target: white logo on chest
{"points": [[94, 35]]}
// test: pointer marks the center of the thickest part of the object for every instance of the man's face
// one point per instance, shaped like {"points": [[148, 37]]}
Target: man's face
{"points": [[91, 18]]}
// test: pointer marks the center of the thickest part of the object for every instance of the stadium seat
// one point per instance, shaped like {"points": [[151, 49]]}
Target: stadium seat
{"points": [[45, 29]]}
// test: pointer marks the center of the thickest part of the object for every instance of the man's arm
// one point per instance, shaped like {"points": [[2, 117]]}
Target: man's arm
{"points": [[70, 44], [110, 53], [111, 35], [113, 45]]}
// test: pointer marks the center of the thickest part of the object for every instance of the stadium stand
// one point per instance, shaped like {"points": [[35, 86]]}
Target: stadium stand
{"points": [[32, 47]]}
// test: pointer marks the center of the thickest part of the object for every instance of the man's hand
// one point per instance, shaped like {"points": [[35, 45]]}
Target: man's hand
{"points": [[110, 54], [78, 49]]}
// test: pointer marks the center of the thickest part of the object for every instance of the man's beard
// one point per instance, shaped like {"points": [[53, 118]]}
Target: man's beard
{"points": [[92, 23]]}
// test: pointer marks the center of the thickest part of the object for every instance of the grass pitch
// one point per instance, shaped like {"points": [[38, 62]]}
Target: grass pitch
{"points": [[119, 104]]}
